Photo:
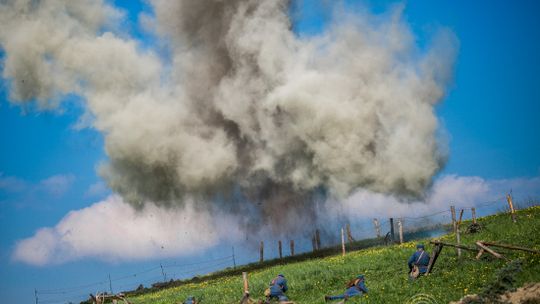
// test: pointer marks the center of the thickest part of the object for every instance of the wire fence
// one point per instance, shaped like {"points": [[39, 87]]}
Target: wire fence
{"points": [[146, 277], [175, 270]]}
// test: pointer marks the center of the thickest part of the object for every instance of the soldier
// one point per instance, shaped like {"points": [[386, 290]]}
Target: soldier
{"points": [[418, 262], [190, 300], [278, 288], [355, 287]]}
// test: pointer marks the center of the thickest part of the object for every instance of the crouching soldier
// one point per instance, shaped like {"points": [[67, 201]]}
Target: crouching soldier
{"points": [[418, 262], [278, 288], [355, 287], [190, 300]]}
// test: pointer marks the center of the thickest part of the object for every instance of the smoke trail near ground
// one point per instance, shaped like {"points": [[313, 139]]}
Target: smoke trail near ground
{"points": [[242, 115]]}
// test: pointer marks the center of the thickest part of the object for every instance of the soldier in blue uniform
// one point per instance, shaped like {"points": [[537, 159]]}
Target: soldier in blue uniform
{"points": [[356, 287], [278, 288], [420, 259], [190, 300]]}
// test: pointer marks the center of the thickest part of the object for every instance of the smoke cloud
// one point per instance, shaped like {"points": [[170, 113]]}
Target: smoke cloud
{"points": [[240, 114], [113, 230]]}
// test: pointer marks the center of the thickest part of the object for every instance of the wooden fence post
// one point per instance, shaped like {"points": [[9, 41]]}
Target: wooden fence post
{"points": [[246, 283], [377, 227], [342, 242], [279, 248], [453, 211], [318, 239], [350, 238], [511, 204], [261, 252], [392, 229], [473, 211], [292, 247], [400, 226], [313, 242], [458, 234]]}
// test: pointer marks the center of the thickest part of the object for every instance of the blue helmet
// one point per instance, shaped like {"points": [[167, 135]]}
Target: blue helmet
{"points": [[281, 275], [360, 276], [419, 246]]}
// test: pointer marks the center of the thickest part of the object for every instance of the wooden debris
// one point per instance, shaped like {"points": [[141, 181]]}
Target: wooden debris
{"points": [[100, 298], [454, 245], [491, 251], [512, 247], [435, 254], [480, 252]]}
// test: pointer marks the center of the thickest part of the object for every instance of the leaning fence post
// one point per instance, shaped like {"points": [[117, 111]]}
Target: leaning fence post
{"points": [[400, 226], [350, 239], [511, 204], [377, 227], [453, 212], [261, 252], [279, 249], [473, 211], [292, 247]]}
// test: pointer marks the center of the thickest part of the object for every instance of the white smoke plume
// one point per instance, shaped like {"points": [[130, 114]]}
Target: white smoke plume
{"points": [[113, 230], [243, 114]]}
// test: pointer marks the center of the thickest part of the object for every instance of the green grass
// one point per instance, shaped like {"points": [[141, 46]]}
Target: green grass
{"points": [[385, 270]]}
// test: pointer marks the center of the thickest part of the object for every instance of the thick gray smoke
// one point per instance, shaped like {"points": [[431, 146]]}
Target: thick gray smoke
{"points": [[241, 114]]}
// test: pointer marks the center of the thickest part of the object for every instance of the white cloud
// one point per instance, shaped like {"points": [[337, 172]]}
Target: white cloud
{"points": [[97, 189], [460, 191], [114, 230], [57, 185]]}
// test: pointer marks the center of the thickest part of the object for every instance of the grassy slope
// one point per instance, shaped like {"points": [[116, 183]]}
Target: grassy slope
{"points": [[385, 269]]}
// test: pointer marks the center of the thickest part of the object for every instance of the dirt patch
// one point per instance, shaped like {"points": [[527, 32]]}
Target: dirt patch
{"points": [[528, 294]]}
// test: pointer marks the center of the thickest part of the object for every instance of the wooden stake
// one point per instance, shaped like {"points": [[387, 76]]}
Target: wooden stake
{"points": [[261, 252], [480, 252], [511, 204], [392, 229], [473, 211], [350, 239], [453, 212], [458, 232], [342, 242], [400, 226], [279, 248], [377, 227], [246, 284], [314, 242], [458, 241], [318, 239], [292, 247], [438, 248], [495, 254]]}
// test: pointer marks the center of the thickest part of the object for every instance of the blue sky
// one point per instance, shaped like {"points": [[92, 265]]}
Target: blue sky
{"points": [[490, 114]]}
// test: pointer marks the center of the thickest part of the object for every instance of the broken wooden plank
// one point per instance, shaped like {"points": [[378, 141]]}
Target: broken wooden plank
{"points": [[491, 251], [511, 247], [480, 252], [453, 245]]}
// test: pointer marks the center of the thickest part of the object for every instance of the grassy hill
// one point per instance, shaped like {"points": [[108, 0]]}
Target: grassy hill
{"points": [[385, 270]]}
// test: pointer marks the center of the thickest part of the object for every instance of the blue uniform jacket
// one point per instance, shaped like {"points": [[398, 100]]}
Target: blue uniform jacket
{"points": [[361, 286], [422, 263], [278, 286]]}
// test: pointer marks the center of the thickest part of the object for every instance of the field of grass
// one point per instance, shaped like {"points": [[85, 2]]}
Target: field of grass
{"points": [[385, 269]]}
